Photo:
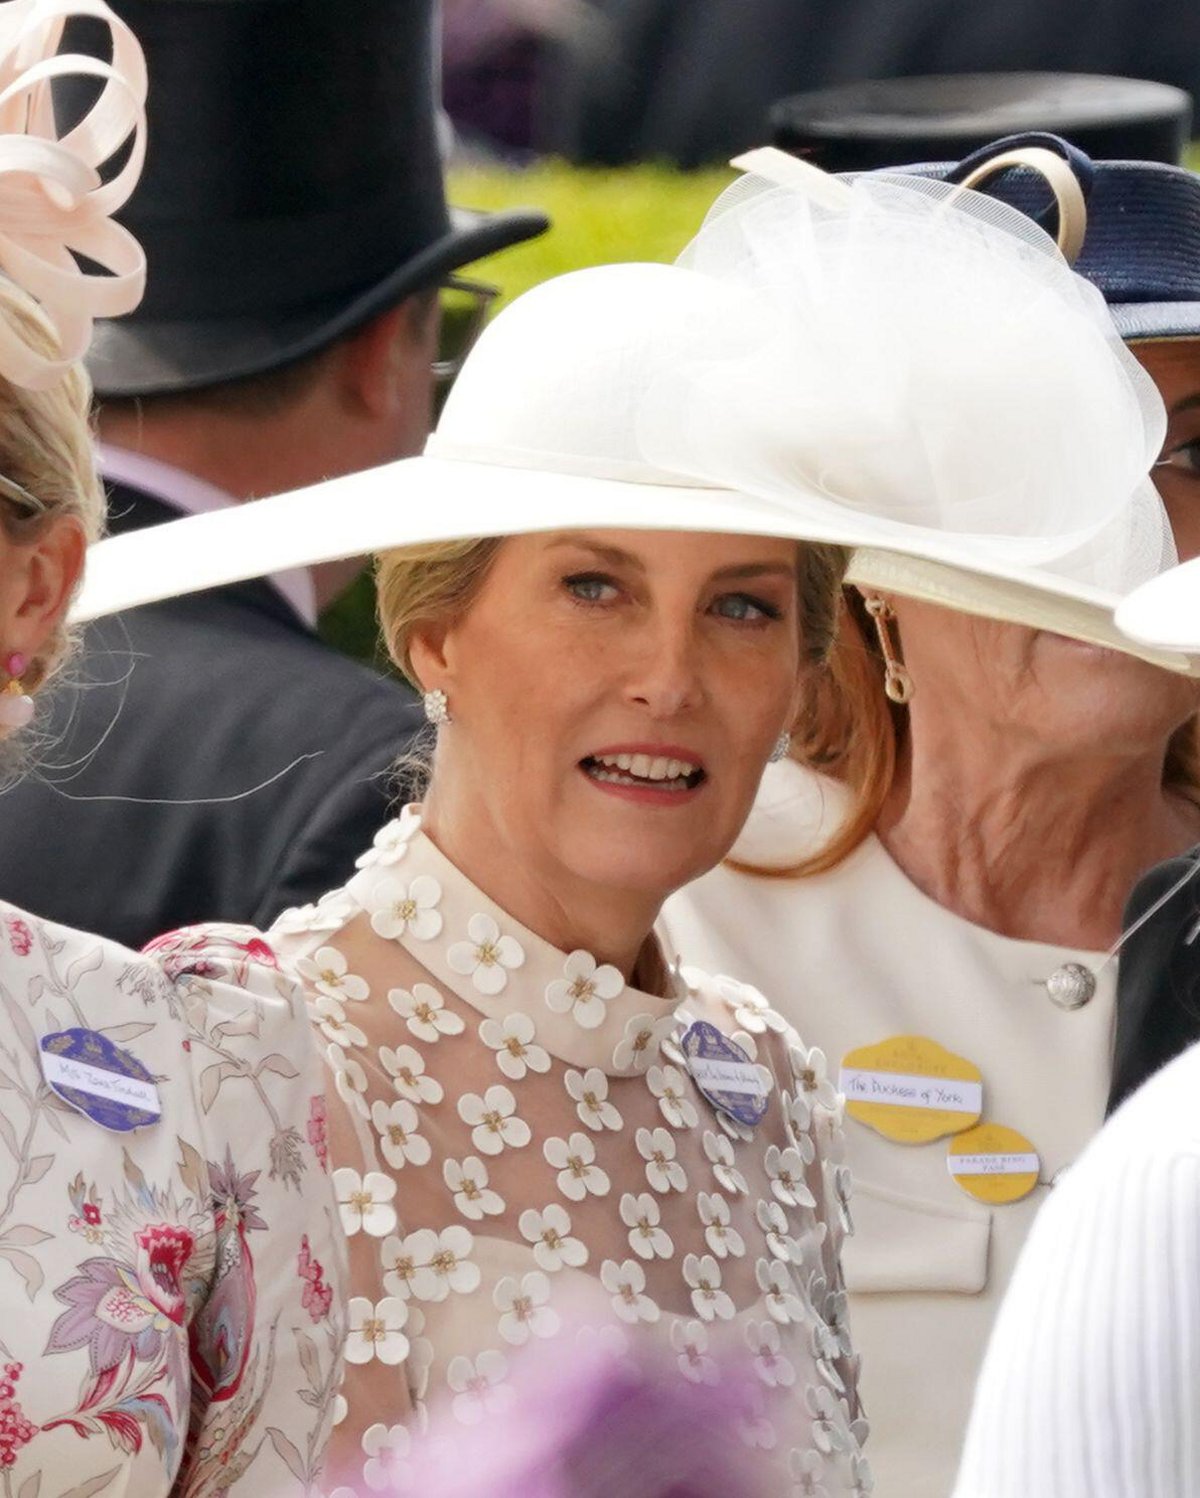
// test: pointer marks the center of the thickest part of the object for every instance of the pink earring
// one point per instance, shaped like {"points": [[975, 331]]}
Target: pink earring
{"points": [[16, 706]]}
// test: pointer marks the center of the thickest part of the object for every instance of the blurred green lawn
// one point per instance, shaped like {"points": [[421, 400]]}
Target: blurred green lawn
{"points": [[597, 216]]}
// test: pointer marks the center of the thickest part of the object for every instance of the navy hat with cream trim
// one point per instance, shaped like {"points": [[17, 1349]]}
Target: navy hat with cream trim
{"points": [[1142, 244]]}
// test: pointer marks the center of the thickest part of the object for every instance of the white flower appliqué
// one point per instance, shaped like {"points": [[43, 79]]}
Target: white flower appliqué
{"points": [[647, 1237], [479, 1386], [424, 1012], [329, 973], [406, 1067], [376, 1331], [702, 1274], [524, 1307], [486, 958], [663, 1170], [493, 1120], [512, 1040], [550, 1233], [690, 1341], [670, 1087], [468, 1180], [626, 1283], [584, 990], [589, 1090], [399, 909], [575, 1161], [397, 1125], [641, 1042], [365, 1202]]}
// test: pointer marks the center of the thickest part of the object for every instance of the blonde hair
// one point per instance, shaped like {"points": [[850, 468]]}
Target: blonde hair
{"points": [[46, 448], [423, 585], [854, 734]]}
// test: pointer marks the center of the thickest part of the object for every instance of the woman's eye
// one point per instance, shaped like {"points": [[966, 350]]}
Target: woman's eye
{"points": [[590, 587], [1183, 459], [744, 609]]}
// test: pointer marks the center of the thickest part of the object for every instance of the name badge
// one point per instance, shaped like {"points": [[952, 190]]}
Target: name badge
{"points": [[100, 1080], [724, 1073], [993, 1164], [911, 1090]]}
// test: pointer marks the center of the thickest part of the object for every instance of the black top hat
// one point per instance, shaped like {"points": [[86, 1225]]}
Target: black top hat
{"points": [[292, 189], [898, 120]]}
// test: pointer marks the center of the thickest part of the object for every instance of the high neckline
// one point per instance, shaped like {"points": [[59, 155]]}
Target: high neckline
{"points": [[585, 1012]]}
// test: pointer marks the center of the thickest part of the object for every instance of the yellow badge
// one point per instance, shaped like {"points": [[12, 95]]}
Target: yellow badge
{"points": [[994, 1164], [911, 1089]]}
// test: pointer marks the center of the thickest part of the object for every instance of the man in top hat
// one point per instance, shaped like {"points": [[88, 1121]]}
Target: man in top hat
{"points": [[296, 231]]}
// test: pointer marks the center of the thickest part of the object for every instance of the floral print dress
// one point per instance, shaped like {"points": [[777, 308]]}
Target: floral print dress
{"points": [[170, 1294], [522, 1159]]}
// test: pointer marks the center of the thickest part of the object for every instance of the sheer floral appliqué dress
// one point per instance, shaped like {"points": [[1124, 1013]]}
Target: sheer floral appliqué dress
{"points": [[522, 1158]]}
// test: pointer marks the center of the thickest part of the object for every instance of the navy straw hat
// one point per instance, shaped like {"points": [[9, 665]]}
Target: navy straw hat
{"points": [[1142, 245], [292, 188]]}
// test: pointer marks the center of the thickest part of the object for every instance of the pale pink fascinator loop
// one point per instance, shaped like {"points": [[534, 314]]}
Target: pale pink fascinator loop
{"points": [[53, 200]]}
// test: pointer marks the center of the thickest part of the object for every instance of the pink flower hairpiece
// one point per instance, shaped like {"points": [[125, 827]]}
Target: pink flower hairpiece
{"points": [[54, 202]]}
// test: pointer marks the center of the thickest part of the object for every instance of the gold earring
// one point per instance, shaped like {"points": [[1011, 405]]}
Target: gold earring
{"points": [[897, 683]]}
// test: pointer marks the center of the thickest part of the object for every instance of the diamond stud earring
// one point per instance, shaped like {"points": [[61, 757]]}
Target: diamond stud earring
{"points": [[437, 708]]}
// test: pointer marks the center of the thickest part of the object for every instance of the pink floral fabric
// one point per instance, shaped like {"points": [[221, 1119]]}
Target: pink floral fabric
{"points": [[170, 1297]]}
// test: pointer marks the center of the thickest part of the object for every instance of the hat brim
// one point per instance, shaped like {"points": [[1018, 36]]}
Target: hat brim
{"points": [[1022, 596], [1164, 613], [434, 498], [1148, 320], [132, 356]]}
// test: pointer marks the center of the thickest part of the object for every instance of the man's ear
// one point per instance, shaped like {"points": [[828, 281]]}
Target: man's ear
{"points": [[38, 579], [386, 357], [375, 363]]}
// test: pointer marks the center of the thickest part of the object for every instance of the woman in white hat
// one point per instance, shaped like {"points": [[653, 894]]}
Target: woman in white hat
{"points": [[933, 883], [170, 1293], [537, 1119]]}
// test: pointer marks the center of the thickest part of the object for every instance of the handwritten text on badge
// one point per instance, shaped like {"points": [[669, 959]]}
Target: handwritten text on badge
{"points": [[100, 1080], [724, 1073], [910, 1089]]}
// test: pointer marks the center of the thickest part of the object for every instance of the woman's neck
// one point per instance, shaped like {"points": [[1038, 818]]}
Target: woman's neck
{"points": [[613, 924], [1029, 845]]}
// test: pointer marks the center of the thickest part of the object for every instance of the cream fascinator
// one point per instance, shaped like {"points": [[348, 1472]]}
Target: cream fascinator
{"points": [[891, 364], [54, 204]]}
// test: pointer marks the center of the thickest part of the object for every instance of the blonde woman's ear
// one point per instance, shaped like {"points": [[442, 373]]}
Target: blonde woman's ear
{"points": [[37, 581]]}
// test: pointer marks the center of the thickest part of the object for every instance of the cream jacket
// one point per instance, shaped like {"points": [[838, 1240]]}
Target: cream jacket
{"points": [[852, 957]]}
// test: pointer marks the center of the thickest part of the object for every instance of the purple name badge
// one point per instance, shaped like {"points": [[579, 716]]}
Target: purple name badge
{"points": [[724, 1073], [100, 1080]]}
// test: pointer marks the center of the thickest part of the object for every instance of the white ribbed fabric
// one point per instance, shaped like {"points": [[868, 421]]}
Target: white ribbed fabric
{"points": [[1091, 1385]]}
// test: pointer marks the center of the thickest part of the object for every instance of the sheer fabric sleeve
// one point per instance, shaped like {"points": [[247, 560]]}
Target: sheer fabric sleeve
{"points": [[265, 1344]]}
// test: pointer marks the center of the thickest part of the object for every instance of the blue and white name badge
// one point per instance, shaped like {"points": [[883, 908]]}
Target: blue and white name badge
{"points": [[724, 1073], [100, 1080]]}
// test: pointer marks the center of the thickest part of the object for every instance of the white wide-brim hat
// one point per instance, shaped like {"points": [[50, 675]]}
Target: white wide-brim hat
{"points": [[891, 365], [1164, 614]]}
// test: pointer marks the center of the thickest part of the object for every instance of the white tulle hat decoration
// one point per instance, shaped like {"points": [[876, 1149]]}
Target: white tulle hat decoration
{"points": [[898, 366], [929, 365]]}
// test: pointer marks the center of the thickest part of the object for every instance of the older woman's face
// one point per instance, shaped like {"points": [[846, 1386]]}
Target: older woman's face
{"points": [[1060, 691], [615, 696]]}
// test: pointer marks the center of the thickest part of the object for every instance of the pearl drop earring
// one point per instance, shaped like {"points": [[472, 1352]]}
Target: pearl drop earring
{"points": [[16, 706]]}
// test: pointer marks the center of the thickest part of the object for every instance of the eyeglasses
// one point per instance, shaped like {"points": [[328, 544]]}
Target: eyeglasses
{"points": [[465, 307]]}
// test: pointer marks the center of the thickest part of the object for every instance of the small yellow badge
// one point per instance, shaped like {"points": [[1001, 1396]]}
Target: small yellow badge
{"points": [[994, 1164], [911, 1089]]}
